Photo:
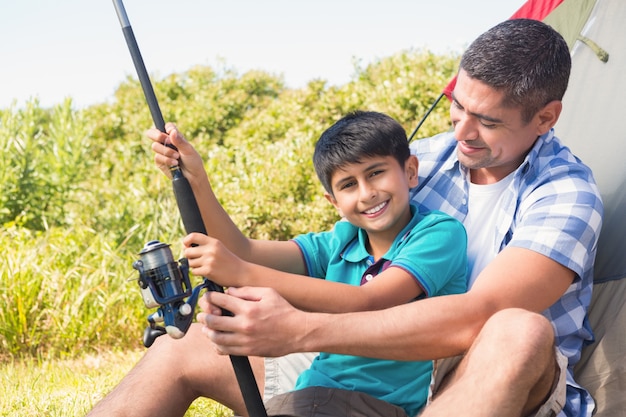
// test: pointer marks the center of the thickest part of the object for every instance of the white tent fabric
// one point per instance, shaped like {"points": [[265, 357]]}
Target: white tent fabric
{"points": [[592, 126]]}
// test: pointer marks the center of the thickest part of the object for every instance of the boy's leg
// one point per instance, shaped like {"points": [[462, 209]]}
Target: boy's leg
{"points": [[172, 374], [510, 370]]}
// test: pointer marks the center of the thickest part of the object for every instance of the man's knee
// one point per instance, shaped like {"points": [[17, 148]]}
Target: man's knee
{"points": [[519, 330]]}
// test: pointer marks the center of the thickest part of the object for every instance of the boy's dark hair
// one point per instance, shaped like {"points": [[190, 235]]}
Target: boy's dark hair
{"points": [[358, 135], [526, 59]]}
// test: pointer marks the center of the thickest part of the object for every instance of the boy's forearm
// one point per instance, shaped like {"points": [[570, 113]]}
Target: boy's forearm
{"points": [[281, 255], [304, 292], [315, 294], [217, 221]]}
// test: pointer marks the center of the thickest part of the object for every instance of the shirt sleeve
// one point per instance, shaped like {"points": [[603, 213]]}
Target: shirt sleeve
{"points": [[435, 253], [561, 217], [318, 248]]}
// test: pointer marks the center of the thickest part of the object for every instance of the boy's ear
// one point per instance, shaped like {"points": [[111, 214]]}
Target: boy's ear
{"points": [[333, 201], [410, 167]]}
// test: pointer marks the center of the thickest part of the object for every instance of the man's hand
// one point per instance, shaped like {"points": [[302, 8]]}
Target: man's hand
{"points": [[264, 323]]}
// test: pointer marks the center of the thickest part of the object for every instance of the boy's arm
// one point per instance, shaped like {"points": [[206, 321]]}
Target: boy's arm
{"points": [[216, 220], [392, 287], [431, 257], [210, 258]]}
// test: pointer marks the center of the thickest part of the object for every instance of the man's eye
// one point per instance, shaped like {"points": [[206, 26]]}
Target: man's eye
{"points": [[488, 125]]}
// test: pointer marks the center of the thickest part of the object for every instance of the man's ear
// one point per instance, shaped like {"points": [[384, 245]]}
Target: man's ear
{"points": [[547, 117], [333, 201], [410, 168]]}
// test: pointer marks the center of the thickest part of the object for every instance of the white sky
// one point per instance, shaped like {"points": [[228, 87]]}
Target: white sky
{"points": [[53, 49]]}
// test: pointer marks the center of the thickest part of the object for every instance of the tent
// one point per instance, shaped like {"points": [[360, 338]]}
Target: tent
{"points": [[591, 126]]}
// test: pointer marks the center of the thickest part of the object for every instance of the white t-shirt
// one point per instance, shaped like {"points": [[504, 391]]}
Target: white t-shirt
{"points": [[480, 223]]}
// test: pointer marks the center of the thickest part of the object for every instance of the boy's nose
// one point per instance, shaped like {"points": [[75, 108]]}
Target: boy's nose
{"points": [[367, 192]]}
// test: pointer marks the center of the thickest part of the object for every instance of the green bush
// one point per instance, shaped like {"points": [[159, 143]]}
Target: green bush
{"points": [[80, 196]]}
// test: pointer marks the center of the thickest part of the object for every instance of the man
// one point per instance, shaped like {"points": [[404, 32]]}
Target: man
{"points": [[533, 215]]}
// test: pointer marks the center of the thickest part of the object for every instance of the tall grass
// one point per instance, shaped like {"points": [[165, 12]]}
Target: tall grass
{"points": [[62, 292]]}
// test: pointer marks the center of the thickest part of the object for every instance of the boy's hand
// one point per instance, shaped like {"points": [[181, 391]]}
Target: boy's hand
{"points": [[209, 258], [184, 155]]}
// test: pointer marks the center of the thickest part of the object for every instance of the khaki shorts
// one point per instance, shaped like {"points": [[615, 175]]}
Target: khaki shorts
{"points": [[330, 402], [553, 405]]}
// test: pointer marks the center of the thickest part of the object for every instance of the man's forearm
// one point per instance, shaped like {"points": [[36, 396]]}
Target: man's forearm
{"points": [[265, 324], [422, 330]]}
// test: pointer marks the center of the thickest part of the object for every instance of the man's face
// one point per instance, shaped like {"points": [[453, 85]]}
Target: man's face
{"points": [[492, 139]]}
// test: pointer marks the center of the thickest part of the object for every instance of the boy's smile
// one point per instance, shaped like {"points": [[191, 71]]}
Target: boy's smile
{"points": [[375, 211]]}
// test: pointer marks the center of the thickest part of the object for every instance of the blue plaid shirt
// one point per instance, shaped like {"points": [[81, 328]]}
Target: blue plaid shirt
{"points": [[552, 207]]}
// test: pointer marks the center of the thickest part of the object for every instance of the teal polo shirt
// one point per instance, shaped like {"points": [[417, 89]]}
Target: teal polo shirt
{"points": [[432, 248]]}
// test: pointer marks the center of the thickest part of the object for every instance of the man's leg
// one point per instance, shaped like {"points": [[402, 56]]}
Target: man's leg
{"points": [[172, 374], [509, 370]]}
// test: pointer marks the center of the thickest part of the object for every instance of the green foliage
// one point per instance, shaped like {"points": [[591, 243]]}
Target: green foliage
{"points": [[406, 85], [62, 292], [80, 196], [44, 158]]}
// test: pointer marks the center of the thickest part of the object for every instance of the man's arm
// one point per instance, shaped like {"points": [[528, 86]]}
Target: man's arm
{"points": [[266, 325]]}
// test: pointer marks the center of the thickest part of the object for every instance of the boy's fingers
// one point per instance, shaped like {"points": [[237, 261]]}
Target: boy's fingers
{"points": [[246, 293]]}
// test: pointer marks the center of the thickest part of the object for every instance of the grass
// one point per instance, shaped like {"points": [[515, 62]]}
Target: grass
{"points": [[66, 388]]}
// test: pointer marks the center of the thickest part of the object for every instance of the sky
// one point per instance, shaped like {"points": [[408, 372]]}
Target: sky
{"points": [[58, 49]]}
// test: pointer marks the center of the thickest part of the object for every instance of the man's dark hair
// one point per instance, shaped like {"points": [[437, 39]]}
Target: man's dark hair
{"points": [[358, 135], [526, 59]]}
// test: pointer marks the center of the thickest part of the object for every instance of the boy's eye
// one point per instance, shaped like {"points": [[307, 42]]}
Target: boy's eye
{"points": [[347, 184], [375, 173]]}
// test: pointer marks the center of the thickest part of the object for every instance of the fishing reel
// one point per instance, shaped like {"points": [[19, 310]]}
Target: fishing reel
{"points": [[165, 285]]}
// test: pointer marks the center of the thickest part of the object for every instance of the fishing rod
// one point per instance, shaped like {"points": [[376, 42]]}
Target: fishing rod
{"points": [[421, 122], [164, 282]]}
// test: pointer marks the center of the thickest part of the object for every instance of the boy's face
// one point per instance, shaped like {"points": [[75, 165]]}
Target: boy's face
{"points": [[492, 139], [374, 194]]}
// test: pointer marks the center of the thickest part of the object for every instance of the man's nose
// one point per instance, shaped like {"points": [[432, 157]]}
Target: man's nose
{"points": [[465, 128]]}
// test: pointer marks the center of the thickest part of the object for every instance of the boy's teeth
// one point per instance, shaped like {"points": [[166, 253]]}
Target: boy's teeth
{"points": [[375, 209]]}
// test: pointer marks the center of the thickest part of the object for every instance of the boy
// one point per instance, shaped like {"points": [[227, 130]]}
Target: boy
{"points": [[387, 252]]}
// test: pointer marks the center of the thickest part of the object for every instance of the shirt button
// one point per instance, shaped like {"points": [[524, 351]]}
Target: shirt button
{"points": [[369, 277]]}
